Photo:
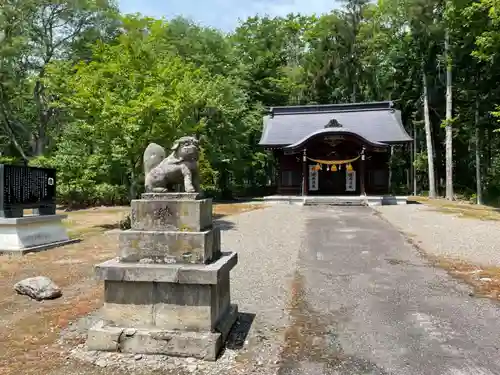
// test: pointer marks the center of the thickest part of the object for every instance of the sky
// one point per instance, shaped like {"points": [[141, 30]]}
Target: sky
{"points": [[223, 14]]}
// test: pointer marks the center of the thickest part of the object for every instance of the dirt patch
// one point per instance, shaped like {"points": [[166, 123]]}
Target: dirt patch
{"points": [[227, 209], [484, 279], [312, 340], [304, 338], [29, 330], [93, 221]]}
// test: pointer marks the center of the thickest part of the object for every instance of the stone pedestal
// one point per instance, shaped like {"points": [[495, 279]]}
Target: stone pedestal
{"points": [[20, 235], [168, 290]]}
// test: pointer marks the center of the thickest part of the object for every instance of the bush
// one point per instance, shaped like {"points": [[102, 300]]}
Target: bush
{"points": [[86, 195], [109, 195], [10, 160], [42, 162]]}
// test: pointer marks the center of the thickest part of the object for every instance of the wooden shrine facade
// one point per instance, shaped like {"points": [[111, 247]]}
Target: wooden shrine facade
{"points": [[333, 164], [333, 149]]}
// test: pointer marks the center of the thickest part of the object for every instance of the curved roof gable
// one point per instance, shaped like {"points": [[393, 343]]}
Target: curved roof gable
{"points": [[377, 122], [330, 130]]}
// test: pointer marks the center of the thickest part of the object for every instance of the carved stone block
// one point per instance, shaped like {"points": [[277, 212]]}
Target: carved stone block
{"points": [[171, 215]]}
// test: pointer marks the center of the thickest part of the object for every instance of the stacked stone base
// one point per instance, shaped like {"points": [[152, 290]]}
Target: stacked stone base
{"points": [[205, 345], [168, 292]]}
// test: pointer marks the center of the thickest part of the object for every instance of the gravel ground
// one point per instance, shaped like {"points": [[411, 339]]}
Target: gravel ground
{"points": [[367, 303], [447, 235], [336, 290], [268, 242]]}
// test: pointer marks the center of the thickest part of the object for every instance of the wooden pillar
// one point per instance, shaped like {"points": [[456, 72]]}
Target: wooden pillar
{"points": [[362, 172], [277, 176], [305, 175], [409, 148], [389, 183]]}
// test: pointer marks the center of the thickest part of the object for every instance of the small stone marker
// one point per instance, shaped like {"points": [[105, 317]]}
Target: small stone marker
{"points": [[39, 288]]}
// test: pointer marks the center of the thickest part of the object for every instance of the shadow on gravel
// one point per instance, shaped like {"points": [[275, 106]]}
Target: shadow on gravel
{"points": [[412, 202], [239, 332], [223, 224]]}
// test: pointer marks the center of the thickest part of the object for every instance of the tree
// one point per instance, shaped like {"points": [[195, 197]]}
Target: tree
{"points": [[39, 32], [113, 103], [84, 90], [449, 115]]}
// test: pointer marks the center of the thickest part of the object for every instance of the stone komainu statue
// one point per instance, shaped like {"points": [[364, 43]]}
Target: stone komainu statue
{"points": [[163, 173]]}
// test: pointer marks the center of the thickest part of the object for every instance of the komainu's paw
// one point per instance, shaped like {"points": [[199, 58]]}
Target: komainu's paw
{"points": [[159, 190]]}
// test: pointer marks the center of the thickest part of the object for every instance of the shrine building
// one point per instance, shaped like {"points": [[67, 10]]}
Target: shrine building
{"points": [[333, 149]]}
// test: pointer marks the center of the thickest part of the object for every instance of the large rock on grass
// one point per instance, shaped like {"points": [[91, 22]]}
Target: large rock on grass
{"points": [[39, 288]]}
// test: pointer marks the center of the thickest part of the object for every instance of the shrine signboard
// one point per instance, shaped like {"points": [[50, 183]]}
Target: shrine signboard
{"points": [[350, 180], [313, 179], [23, 187]]}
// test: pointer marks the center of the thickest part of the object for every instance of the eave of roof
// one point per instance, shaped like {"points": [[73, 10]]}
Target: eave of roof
{"points": [[376, 122], [326, 131]]}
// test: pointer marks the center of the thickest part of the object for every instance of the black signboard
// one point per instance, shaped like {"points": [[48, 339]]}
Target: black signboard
{"points": [[23, 187]]}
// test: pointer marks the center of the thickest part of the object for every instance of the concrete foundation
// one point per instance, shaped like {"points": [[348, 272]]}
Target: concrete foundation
{"points": [[26, 234], [168, 291]]}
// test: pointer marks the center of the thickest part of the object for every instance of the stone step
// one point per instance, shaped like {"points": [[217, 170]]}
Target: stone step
{"points": [[369, 200], [335, 202]]}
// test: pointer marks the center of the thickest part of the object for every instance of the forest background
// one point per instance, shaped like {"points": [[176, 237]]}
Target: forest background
{"points": [[84, 89]]}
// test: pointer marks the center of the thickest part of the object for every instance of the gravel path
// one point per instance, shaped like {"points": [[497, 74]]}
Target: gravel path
{"points": [[366, 303], [441, 234], [268, 242]]}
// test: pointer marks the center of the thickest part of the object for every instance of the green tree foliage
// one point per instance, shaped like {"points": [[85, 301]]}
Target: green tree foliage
{"points": [[85, 89], [140, 90]]}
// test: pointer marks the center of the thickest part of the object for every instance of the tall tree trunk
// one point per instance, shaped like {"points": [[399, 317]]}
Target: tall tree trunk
{"points": [[7, 125], [448, 127], [40, 136], [428, 137], [477, 140], [414, 158], [488, 145]]}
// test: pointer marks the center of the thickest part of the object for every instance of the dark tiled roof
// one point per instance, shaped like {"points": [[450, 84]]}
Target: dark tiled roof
{"points": [[377, 122]]}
